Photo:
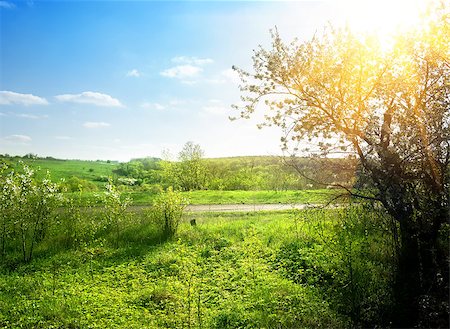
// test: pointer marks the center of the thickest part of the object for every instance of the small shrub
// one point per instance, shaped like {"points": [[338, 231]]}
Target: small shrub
{"points": [[78, 224], [27, 210], [76, 184], [115, 213], [298, 261], [168, 209]]}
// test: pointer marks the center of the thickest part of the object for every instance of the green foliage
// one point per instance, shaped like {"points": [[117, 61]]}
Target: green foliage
{"points": [[342, 90], [64, 169], [27, 210], [167, 211], [78, 223], [75, 184], [222, 174], [147, 194], [261, 197], [298, 260], [189, 172], [349, 256], [115, 214], [259, 270]]}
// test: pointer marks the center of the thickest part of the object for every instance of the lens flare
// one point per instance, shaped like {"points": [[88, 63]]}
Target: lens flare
{"points": [[383, 18]]}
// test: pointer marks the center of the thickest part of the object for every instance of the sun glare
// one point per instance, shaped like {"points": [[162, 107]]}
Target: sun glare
{"points": [[382, 17]]}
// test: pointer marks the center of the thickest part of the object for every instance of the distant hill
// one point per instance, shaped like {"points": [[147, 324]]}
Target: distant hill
{"points": [[228, 173], [96, 172]]}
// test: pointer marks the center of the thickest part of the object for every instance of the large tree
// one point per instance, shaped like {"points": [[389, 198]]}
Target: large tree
{"points": [[192, 168], [189, 172], [391, 108]]}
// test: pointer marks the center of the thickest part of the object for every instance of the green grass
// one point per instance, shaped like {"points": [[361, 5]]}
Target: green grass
{"points": [[260, 270], [260, 197], [229, 197], [59, 169], [245, 197]]}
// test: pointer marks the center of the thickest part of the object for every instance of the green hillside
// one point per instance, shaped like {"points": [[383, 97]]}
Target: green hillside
{"points": [[234, 180], [92, 171]]}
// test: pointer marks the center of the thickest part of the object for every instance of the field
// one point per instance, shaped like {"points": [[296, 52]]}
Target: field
{"points": [[302, 269], [349, 227], [92, 176], [95, 172], [90, 259], [245, 197]]}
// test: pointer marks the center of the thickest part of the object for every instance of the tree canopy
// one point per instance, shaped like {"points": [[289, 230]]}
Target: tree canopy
{"points": [[346, 92]]}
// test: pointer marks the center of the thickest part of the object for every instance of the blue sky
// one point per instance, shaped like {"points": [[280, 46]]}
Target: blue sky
{"points": [[125, 79]]}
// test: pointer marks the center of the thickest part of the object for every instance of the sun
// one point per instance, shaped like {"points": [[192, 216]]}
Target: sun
{"points": [[381, 17]]}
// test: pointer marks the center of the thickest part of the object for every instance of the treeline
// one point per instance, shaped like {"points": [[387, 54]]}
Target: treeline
{"points": [[191, 171], [240, 173]]}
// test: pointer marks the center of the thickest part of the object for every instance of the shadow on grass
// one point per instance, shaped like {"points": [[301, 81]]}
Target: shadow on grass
{"points": [[133, 243]]}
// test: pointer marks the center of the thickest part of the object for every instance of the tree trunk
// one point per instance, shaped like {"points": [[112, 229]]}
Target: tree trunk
{"points": [[421, 283]]}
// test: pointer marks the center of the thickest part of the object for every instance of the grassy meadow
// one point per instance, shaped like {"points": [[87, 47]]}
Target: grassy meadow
{"points": [[88, 259], [92, 171], [245, 197], [296, 269]]}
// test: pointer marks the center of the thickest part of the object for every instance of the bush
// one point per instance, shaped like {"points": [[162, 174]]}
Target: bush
{"points": [[115, 212], [78, 223], [351, 263], [27, 210], [299, 262], [168, 209], [76, 184]]}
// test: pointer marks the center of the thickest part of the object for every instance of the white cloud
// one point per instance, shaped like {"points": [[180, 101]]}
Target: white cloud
{"points": [[63, 138], [182, 72], [134, 73], [93, 125], [32, 116], [90, 97], [188, 68], [7, 5], [10, 97], [17, 139], [192, 60], [152, 106]]}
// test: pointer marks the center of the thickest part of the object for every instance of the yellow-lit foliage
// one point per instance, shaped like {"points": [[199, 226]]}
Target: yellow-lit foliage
{"points": [[390, 106]]}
